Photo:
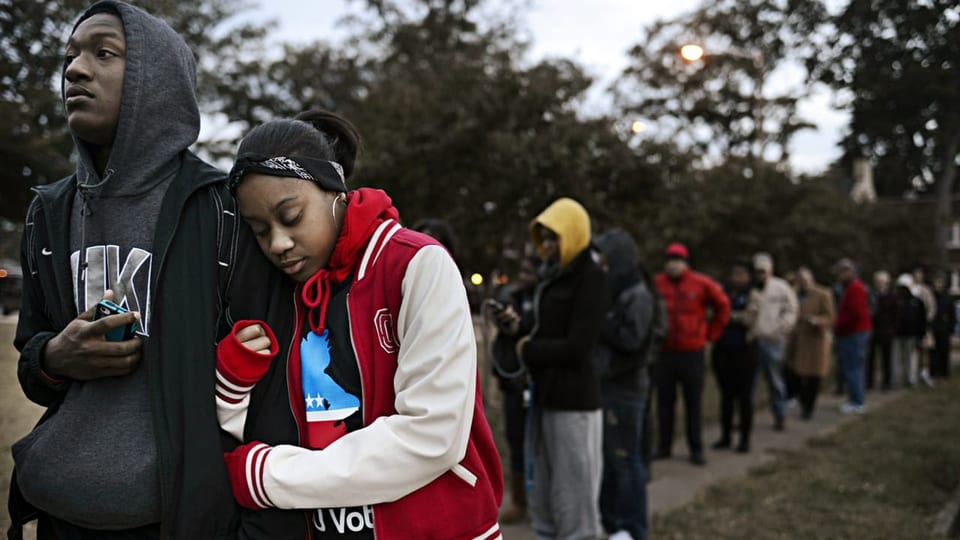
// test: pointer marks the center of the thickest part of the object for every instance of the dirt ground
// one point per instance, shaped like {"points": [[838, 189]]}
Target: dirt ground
{"points": [[17, 414]]}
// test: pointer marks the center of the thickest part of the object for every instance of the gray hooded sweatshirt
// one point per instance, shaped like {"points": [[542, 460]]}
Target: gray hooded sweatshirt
{"points": [[94, 463]]}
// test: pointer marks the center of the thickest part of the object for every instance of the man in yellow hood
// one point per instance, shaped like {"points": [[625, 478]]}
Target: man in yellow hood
{"points": [[570, 304]]}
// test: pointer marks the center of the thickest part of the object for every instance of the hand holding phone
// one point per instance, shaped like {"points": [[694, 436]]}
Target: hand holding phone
{"points": [[105, 308], [80, 352], [494, 305]]}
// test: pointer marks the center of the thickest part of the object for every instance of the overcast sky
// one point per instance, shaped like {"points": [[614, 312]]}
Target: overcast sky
{"points": [[597, 34]]}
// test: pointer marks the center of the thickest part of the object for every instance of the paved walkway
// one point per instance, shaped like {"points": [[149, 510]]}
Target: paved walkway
{"points": [[676, 482]]}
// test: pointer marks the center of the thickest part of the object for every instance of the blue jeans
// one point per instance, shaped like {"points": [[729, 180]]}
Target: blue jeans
{"points": [[770, 356], [851, 353], [623, 492]]}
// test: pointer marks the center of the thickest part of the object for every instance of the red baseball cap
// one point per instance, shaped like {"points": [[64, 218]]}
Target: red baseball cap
{"points": [[678, 250]]}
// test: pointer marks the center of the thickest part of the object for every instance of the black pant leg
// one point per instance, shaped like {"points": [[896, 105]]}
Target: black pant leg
{"points": [[725, 373], [666, 401], [691, 381], [886, 355], [940, 365], [810, 389], [746, 378]]}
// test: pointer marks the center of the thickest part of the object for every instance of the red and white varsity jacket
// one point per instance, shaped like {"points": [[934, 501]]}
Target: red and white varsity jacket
{"points": [[425, 458]]}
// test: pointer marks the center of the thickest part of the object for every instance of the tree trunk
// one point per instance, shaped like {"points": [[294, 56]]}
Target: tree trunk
{"points": [[944, 212]]}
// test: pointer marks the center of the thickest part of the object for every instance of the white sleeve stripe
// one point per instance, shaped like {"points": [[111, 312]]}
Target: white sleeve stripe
{"points": [[228, 393], [488, 534], [228, 399], [370, 245], [383, 244], [254, 479], [223, 380], [262, 452]]}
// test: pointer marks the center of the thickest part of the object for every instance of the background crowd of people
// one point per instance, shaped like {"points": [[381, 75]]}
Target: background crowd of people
{"points": [[586, 338]]}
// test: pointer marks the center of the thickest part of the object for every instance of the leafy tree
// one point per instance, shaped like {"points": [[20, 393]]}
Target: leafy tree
{"points": [[720, 104], [455, 126], [35, 147], [900, 62]]}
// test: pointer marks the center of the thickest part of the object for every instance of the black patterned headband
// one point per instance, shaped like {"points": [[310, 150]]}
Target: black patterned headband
{"points": [[326, 174]]}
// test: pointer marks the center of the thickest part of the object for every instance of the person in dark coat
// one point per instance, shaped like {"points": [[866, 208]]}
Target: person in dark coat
{"points": [[513, 312], [884, 312], [942, 327], [734, 364], [622, 358], [565, 430]]}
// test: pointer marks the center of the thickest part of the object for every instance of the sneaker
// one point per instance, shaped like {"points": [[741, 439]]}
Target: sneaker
{"points": [[851, 408], [722, 444], [925, 378], [792, 403], [620, 535], [698, 459]]}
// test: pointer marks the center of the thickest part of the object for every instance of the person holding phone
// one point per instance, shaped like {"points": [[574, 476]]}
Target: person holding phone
{"points": [[514, 316], [129, 446]]}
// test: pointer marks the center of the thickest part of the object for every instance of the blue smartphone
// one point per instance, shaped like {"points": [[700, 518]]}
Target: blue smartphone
{"points": [[123, 333]]}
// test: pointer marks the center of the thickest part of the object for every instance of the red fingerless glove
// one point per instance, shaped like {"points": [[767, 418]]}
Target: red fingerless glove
{"points": [[245, 465], [239, 368]]}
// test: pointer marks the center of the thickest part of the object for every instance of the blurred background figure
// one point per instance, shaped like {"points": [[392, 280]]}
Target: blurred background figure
{"points": [[808, 352], [772, 313], [621, 359], [688, 296], [735, 364], [442, 231], [852, 328], [883, 306], [513, 313], [943, 324], [911, 322], [564, 435], [926, 345]]}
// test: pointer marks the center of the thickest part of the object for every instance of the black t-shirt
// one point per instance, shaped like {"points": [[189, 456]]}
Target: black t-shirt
{"points": [[341, 391]]}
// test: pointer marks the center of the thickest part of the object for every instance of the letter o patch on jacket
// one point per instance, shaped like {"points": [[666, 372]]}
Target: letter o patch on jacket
{"points": [[386, 333]]}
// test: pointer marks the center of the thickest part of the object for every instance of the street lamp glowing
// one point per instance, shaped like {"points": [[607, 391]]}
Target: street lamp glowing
{"points": [[691, 52], [638, 127], [476, 279]]}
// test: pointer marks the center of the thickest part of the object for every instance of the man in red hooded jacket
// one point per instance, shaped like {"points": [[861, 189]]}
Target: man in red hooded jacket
{"points": [[687, 295]]}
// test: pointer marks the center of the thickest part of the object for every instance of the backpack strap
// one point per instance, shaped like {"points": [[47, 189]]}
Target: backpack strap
{"points": [[228, 229]]}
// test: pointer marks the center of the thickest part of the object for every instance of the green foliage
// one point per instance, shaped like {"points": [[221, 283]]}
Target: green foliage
{"points": [[900, 61], [724, 216], [458, 126], [717, 104]]}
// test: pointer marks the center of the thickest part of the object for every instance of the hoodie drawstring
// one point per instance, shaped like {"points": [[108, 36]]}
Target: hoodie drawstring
{"points": [[316, 296], [87, 210]]}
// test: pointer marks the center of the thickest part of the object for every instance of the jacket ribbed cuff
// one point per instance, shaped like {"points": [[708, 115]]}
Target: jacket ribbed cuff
{"points": [[239, 368], [246, 465], [34, 352]]}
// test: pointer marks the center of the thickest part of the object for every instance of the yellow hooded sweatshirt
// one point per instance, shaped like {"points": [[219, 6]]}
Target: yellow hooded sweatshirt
{"points": [[570, 222]]}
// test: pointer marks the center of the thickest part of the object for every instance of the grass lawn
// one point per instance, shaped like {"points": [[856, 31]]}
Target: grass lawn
{"points": [[884, 476]]}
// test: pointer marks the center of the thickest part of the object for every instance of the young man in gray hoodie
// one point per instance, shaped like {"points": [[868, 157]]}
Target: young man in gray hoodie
{"points": [[129, 446]]}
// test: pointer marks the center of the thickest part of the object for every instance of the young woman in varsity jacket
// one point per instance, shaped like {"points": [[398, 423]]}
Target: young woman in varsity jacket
{"points": [[381, 366]]}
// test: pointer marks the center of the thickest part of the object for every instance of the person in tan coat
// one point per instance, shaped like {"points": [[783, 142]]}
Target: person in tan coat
{"points": [[808, 351]]}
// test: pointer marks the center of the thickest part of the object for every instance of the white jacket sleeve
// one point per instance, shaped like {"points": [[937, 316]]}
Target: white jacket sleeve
{"points": [[232, 414], [435, 387], [238, 369]]}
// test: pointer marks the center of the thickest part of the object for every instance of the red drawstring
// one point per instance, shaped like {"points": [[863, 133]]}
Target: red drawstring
{"points": [[316, 294]]}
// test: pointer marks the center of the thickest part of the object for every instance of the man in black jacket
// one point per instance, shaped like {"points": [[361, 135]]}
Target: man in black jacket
{"points": [[570, 304], [129, 446]]}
